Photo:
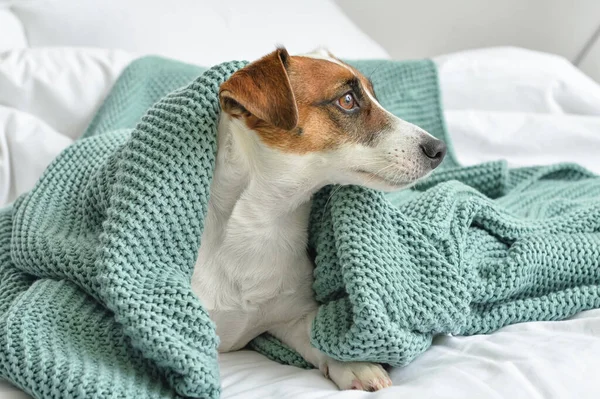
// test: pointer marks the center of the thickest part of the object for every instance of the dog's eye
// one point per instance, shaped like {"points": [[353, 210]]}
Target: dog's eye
{"points": [[347, 102]]}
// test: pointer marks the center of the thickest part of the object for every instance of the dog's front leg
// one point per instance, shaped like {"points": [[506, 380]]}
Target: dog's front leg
{"points": [[347, 375]]}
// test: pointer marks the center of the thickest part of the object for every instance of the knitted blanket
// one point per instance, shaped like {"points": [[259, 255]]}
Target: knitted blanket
{"points": [[96, 261]]}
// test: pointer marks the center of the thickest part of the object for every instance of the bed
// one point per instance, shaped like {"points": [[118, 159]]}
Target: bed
{"points": [[515, 104]]}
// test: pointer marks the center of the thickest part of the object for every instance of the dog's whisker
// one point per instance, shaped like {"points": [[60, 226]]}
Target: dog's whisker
{"points": [[375, 175], [335, 190], [366, 164]]}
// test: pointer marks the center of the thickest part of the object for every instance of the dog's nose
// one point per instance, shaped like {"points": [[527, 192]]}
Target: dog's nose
{"points": [[435, 150]]}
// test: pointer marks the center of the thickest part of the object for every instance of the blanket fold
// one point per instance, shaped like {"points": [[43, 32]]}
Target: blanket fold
{"points": [[112, 231], [96, 261]]}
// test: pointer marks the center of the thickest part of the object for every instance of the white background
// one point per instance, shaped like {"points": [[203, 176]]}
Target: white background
{"points": [[426, 28]]}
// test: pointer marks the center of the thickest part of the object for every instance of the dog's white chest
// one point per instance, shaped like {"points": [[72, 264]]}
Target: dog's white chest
{"points": [[251, 274]]}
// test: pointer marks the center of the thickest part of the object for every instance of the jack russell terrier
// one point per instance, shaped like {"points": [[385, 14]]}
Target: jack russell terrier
{"points": [[291, 125]]}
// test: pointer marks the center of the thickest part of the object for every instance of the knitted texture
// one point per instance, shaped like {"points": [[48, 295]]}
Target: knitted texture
{"points": [[95, 262], [112, 231]]}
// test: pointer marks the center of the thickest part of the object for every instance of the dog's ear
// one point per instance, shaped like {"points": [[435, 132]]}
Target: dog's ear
{"points": [[262, 89]]}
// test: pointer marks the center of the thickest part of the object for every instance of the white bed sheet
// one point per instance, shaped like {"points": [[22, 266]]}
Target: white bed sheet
{"points": [[526, 107]]}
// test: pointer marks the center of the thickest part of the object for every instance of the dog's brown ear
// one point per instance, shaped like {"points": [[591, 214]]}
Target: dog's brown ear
{"points": [[262, 89]]}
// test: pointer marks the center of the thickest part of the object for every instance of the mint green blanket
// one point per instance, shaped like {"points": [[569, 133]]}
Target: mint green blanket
{"points": [[95, 262]]}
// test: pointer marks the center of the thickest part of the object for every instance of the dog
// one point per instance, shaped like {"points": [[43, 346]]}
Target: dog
{"points": [[289, 126]]}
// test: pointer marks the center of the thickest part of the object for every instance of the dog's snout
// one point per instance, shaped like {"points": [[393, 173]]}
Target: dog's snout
{"points": [[435, 150]]}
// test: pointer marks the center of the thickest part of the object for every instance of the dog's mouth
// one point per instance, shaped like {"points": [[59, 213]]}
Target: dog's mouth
{"points": [[387, 183], [372, 177]]}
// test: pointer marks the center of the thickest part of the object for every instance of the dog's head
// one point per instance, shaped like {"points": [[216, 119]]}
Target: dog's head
{"points": [[324, 114]]}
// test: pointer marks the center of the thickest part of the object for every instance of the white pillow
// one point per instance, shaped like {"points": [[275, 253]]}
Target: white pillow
{"points": [[11, 30], [516, 80], [27, 146], [204, 32], [526, 107], [590, 64], [61, 86]]}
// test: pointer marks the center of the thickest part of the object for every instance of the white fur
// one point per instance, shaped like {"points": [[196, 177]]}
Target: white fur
{"points": [[253, 273]]}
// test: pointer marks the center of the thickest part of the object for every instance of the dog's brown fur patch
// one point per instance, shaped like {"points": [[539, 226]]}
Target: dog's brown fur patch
{"points": [[291, 103]]}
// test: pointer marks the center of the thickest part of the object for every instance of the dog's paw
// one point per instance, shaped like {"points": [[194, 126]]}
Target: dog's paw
{"points": [[357, 375]]}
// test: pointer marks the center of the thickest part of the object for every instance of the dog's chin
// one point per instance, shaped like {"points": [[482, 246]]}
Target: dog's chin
{"points": [[386, 183]]}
